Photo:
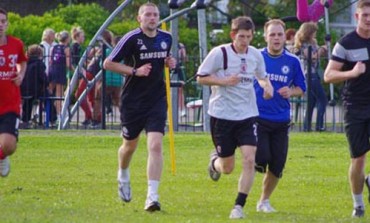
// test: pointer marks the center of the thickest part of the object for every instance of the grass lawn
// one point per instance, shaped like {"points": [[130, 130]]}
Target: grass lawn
{"points": [[70, 176]]}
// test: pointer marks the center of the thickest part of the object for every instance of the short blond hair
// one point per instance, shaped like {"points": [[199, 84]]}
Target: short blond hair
{"points": [[148, 4], [363, 3], [273, 22], [46, 33]]}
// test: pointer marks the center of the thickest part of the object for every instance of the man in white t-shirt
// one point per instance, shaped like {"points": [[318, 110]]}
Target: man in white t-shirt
{"points": [[47, 42], [232, 105]]}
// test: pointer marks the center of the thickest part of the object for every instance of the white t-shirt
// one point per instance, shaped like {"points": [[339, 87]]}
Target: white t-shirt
{"points": [[233, 102], [47, 53]]}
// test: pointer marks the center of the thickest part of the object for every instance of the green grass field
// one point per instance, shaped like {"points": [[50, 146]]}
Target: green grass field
{"points": [[70, 176]]}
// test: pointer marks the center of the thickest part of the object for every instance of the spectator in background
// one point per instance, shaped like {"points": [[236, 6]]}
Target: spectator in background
{"points": [[289, 42], [14, 63], [180, 68], [316, 97], [78, 38], [59, 66], [107, 39], [34, 83], [114, 82], [47, 42]]}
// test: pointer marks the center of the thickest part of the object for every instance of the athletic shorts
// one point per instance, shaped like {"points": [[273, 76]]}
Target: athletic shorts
{"points": [[152, 120], [227, 135], [272, 146], [357, 128], [9, 123]]}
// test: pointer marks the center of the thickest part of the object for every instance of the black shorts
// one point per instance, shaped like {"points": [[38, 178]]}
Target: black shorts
{"points": [[272, 146], [357, 128], [9, 123], [227, 135], [152, 120]]}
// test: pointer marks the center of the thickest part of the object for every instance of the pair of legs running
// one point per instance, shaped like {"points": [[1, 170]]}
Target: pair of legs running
{"points": [[154, 169], [8, 140], [357, 180], [226, 165]]}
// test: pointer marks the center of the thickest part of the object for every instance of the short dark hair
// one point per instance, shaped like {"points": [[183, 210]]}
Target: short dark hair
{"points": [[242, 22], [3, 11]]}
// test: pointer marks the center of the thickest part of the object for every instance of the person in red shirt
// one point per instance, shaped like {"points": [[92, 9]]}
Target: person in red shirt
{"points": [[13, 63]]}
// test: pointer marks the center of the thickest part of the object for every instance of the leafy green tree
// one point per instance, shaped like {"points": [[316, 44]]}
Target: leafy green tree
{"points": [[88, 16], [25, 28]]}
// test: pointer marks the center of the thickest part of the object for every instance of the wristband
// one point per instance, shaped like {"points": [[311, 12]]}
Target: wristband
{"points": [[133, 72]]}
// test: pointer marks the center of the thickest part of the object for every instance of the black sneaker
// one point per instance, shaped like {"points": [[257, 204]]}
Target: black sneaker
{"points": [[358, 212], [152, 206], [213, 174], [95, 124], [86, 122]]}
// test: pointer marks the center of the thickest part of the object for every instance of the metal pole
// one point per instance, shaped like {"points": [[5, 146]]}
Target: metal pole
{"points": [[202, 35], [328, 47], [309, 77], [103, 89], [175, 76], [74, 80]]}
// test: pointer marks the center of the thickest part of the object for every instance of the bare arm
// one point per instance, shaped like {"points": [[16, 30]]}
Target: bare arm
{"points": [[125, 70], [268, 90], [287, 92], [20, 74], [333, 73], [221, 81]]}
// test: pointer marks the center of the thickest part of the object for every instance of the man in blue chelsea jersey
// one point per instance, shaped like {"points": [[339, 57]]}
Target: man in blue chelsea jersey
{"points": [[287, 78], [145, 51]]}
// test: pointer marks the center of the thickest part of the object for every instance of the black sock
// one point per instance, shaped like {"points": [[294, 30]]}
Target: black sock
{"points": [[241, 199]]}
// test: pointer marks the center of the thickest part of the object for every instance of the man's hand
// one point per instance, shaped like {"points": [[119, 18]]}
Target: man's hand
{"points": [[268, 91], [144, 70], [359, 69], [18, 79], [170, 62], [285, 92]]}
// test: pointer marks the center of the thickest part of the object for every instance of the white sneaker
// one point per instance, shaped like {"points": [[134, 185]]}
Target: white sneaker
{"points": [[124, 191], [183, 113], [265, 207], [213, 174], [237, 212], [4, 167]]}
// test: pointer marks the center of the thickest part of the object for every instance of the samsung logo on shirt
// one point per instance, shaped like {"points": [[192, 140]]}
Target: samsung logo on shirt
{"points": [[277, 77], [153, 55]]}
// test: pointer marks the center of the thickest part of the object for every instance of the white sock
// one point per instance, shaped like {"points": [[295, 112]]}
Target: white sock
{"points": [[358, 200], [123, 175], [266, 201], [153, 190]]}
